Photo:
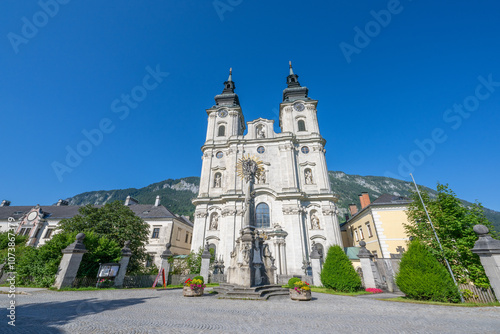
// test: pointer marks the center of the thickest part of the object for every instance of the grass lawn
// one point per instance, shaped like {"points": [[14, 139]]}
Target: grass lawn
{"points": [[333, 292]]}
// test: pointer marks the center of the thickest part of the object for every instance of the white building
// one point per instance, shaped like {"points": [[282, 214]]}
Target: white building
{"points": [[40, 224], [294, 203]]}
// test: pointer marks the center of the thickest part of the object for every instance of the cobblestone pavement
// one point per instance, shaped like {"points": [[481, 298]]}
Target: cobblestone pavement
{"points": [[166, 311]]}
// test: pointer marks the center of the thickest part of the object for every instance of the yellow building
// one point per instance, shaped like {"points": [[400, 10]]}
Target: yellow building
{"points": [[379, 224]]}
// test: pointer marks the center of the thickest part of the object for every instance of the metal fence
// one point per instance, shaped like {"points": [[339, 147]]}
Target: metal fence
{"points": [[474, 294]]}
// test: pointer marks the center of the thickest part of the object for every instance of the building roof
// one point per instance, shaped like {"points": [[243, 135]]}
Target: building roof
{"points": [[143, 211], [391, 199], [384, 199]]}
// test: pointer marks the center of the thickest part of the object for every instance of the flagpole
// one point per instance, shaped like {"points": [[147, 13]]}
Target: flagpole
{"points": [[437, 238]]}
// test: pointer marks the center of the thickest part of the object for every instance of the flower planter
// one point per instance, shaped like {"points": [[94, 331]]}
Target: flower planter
{"points": [[300, 294], [187, 292]]}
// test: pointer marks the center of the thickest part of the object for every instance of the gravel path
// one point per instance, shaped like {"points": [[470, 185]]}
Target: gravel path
{"points": [[167, 311]]}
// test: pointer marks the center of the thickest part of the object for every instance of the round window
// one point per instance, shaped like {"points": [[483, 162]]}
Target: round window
{"points": [[219, 155], [261, 149], [304, 149]]}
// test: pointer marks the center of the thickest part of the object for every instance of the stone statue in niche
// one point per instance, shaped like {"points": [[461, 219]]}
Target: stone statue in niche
{"points": [[262, 177], [217, 182], [214, 224], [308, 176], [260, 132], [314, 222]]}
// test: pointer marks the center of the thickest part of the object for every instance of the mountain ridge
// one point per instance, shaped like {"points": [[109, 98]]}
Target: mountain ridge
{"points": [[176, 194]]}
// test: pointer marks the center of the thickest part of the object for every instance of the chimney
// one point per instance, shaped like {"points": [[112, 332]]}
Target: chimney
{"points": [[62, 202], [157, 202], [5, 203], [130, 201], [353, 209], [364, 199]]}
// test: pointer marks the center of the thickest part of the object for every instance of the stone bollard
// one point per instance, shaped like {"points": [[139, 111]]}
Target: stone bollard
{"points": [[488, 250], [365, 258], [70, 262], [126, 254], [165, 264], [316, 265], [205, 263]]}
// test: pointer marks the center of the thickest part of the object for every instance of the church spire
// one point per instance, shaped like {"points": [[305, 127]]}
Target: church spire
{"points": [[228, 97], [294, 91]]}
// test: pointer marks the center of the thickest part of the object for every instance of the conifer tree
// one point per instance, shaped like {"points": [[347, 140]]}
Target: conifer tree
{"points": [[422, 277], [338, 273]]}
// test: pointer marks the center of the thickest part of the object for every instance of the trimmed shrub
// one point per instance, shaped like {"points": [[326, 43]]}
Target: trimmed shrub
{"points": [[422, 277], [292, 281], [338, 273]]}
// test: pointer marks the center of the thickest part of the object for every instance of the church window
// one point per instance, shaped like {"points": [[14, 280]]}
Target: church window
{"points": [[219, 155], [261, 149], [301, 125], [262, 216], [187, 237], [304, 149], [320, 249], [222, 131]]}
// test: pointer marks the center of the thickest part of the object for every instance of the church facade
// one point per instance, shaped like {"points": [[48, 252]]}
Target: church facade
{"points": [[294, 204]]}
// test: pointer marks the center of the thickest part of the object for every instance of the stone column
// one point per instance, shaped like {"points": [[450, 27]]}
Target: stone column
{"points": [[70, 262], [205, 263], [365, 258], [165, 264], [126, 254], [488, 250], [316, 265]]}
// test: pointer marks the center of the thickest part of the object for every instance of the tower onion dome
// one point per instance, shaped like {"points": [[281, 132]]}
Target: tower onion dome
{"points": [[228, 97], [294, 91]]}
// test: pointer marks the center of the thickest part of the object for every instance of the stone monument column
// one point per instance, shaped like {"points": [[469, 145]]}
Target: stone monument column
{"points": [[205, 263], [316, 265], [70, 262], [365, 258], [488, 250], [165, 264], [126, 254]]}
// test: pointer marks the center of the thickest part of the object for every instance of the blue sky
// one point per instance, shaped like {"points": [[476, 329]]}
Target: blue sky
{"points": [[402, 86]]}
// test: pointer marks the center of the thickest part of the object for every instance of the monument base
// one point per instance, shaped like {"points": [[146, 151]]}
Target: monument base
{"points": [[263, 292]]}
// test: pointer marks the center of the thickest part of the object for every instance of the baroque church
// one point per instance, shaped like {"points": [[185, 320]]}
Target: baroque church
{"points": [[294, 204]]}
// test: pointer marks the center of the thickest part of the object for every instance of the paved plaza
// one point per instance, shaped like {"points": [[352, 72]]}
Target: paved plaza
{"points": [[167, 311]]}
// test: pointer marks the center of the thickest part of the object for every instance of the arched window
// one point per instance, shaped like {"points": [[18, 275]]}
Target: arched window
{"points": [[262, 215], [302, 125], [222, 131]]}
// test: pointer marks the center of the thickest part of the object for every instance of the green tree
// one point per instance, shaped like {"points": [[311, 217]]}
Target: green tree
{"points": [[422, 277], [338, 273], [38, 266], [118, 223], [454, 225]]}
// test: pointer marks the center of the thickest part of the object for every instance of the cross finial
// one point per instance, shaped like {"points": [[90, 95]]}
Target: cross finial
{"points": [[291, 70], [230, 74]]}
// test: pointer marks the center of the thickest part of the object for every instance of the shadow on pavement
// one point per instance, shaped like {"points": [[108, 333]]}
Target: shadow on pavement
{"points": [[42, 317]]}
